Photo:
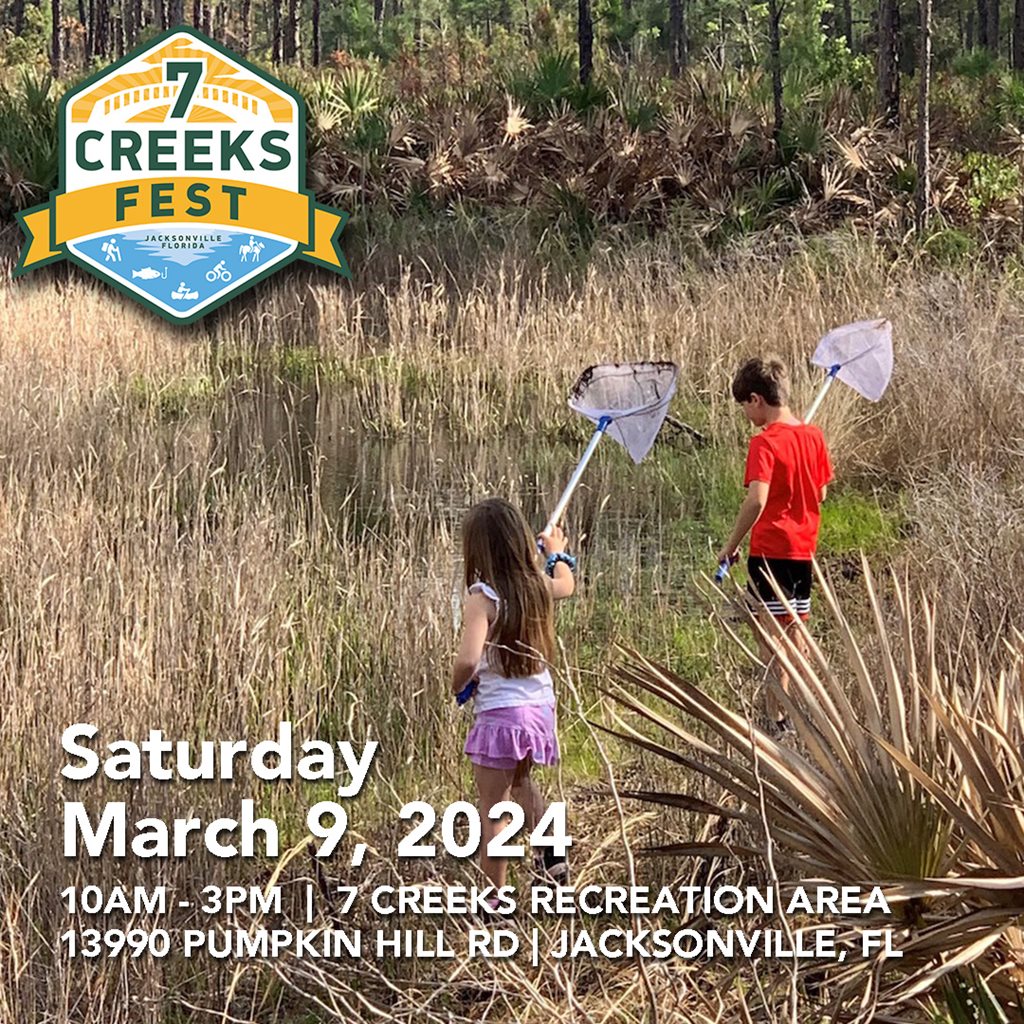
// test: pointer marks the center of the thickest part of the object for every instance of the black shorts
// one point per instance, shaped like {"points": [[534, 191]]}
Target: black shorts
{"points": [[793, 577]]}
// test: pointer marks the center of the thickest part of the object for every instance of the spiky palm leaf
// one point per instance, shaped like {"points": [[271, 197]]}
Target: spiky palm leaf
{"points": [[908, 776], [515, 123]]}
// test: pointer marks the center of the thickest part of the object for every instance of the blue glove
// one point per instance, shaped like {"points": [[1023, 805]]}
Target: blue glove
{"points": [[464, 695]]}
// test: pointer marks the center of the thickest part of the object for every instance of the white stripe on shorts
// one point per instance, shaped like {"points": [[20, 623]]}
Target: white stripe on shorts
{"points": [[801, 607]]}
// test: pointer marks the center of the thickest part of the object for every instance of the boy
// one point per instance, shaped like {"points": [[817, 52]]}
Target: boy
{"points": [[786, 475]]}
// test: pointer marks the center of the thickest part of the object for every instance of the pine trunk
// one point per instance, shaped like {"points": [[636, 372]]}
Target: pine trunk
{"points": [[55, 61], [775, 43], [83, 20], [102, 26], [291, 35], [275, 45], [993, 27], [316, 33], [983, 23], [848, 24], [924, 115], [676, 38], [1018, 35], [889, 61], [244, 39], [585, 37], [128, 22]]}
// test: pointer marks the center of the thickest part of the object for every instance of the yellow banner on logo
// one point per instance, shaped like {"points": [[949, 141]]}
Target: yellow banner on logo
{"points": [[128, 205]]}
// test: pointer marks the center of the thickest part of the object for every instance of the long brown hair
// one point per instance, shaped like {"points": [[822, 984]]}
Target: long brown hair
{"points": [[499, 549]]}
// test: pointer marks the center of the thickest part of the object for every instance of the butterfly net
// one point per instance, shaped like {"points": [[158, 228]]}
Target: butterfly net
{"points": [[634, 396], [863, 351]]}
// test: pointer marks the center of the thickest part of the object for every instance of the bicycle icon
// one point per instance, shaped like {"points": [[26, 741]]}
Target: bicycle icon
{"points": [[219, 273]]}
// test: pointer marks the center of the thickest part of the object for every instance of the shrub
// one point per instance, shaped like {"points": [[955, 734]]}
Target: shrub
{"points": [[977, 64], [992, 179]]}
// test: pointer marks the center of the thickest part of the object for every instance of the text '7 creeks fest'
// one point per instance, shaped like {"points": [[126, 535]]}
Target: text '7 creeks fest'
{"points": [[182, 180]]}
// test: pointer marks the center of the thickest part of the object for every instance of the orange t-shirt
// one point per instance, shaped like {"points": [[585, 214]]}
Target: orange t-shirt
{"points": [[793, 460]]}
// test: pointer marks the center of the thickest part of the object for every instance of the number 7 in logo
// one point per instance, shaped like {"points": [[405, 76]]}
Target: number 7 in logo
{"points": [[193, 72]]}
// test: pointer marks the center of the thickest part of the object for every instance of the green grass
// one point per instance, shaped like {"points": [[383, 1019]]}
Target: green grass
{"points": [[577, 750], [175, 399], [695, 640], [852, 522]]}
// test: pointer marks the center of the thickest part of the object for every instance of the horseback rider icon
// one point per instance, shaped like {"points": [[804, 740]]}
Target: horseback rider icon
{"points": [[251, 248]]}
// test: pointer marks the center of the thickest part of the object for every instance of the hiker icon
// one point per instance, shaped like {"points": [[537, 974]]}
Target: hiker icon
{"points": [[183, 292], [219, 273], [111, 251], [252, 248]]}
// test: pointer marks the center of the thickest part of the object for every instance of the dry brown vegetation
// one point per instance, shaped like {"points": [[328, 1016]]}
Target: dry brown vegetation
{"points": [[163, 565]]}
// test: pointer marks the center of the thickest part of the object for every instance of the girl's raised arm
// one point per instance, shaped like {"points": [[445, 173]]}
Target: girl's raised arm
{"points": [[563, 583], [475, 623]]}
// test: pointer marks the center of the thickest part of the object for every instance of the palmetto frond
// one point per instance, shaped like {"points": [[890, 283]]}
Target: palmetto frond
{"points": [[515, 123], [909, 775]]}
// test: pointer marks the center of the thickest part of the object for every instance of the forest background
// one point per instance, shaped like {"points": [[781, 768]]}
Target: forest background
{"points": [[717, 119]]}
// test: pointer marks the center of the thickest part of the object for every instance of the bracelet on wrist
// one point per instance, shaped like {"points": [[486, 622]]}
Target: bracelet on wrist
{"points": [[555, 558]]}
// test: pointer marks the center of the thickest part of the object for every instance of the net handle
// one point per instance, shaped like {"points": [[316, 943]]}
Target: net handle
{"points": [[577, 474], [822, 392]]}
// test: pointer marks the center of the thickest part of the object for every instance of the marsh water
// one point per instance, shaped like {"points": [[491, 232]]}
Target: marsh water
{"points": [[311, 440]]}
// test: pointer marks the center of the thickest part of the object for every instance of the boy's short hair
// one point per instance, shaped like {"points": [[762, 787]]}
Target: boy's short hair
{"points": [[767, 377]]}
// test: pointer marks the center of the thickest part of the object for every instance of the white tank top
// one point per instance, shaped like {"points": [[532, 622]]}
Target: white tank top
{"points": [[497, 691]]}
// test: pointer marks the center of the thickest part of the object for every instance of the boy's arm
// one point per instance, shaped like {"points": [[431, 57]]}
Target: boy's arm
{"points": [[825, 468], [750, 512], [471, 645]]}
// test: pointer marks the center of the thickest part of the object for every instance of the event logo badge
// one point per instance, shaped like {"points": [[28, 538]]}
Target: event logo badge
{"points": [[182, 180]]}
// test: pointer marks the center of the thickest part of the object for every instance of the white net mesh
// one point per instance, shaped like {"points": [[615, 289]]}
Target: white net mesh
{"points": [[634, 396], [863, 351]]}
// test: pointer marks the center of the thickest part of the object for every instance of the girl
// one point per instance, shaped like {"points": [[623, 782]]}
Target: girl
{"points": [[508, 641]]}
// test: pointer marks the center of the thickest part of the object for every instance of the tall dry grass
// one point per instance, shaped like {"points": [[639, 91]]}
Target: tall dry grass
{"points": [[163, 567]]}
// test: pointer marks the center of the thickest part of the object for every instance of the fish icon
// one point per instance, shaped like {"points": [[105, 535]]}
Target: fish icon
{"points": [[148, 273]]}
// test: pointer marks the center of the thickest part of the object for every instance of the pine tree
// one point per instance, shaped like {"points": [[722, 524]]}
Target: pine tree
{"points": [[316, 33], [245, 40], [1018, 35], [775, 45], [889, 61], [924, 61], [676, 38], [585, 36], [55, 61]]}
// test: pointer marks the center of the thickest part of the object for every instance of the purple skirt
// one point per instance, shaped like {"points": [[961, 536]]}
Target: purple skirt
{"points": [[503, 737]]}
